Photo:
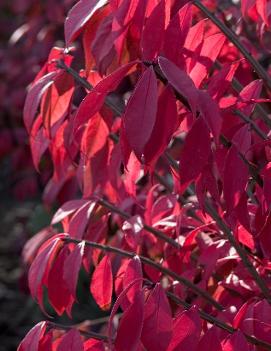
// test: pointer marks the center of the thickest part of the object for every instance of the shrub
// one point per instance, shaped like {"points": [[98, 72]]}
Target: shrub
{"points": [[159, 141]]}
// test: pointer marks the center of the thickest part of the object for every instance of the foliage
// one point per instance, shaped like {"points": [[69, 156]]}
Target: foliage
{"points": [[160, 151], [29, 29]]}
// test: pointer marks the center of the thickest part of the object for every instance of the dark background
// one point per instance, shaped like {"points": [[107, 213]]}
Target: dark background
{"points": [[29, 28]]}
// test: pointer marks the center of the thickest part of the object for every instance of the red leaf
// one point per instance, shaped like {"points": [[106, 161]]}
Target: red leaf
{"points": [[176, 32], [90, 105], [207, 182], [67, 209], [266, 174], [129, 331], [78, 16], [165, 126], [263, 10], [102, 47], [180, 81], [140, 113], [220, 82], [71, 341], [58, 294], [246, 5], [121, 298], [33, 337], [186, 331], [80, 219], [41, 265], [111, 82], [95, 136], [57, 100], [210, 50], [101, 285], [242, 139], [72, 267], [133, 272], [132, 174], [93, 102], [210, 341], [248, 93], [38, 141], [234, 184], [193, 43], [157, 326], [132, 229], [236, 342], [93, 345], [210, 112], [32, 245], [196, 152], [46, 342], [34, 96], [153, 32]]}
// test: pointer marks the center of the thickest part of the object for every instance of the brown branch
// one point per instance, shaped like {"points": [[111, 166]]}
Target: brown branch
{"points": [[203, 315], [85, 84], [237, 86], [204, 294], [226, 230], [239, 249], [88, 334], [217, 322], [150, 229], [253, 125]]}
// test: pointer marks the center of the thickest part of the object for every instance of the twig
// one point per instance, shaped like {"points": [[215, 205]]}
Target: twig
{"points": [[84, 83], [252, 124], [237, 86], [150, 229], [89, 334], [217, 322], [239, 249], [220, 222], [204, 294], [241, 252]]}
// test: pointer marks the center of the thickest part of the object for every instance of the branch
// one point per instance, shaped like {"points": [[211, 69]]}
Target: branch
{"points": [[217, 322], [253, 125], [239, 249], [85, 84], [204, 294], [88, 334], [150, 229], [203, 315], [226, 230], [237, 86]]}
